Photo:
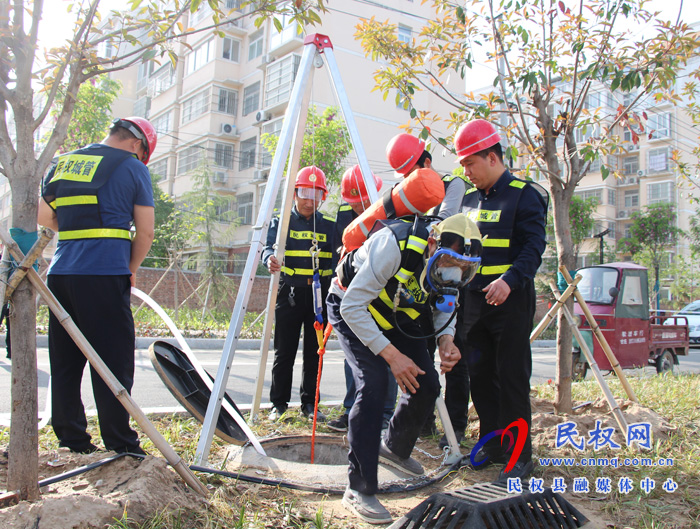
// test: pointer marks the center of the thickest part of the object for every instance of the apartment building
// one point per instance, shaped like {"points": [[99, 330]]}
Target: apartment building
{"points": [[226, 91]]}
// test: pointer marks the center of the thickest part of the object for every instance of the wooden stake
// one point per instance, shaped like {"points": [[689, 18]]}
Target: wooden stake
{"points": [[542, 325], [96, 362], [34, 253], [601, 339]]}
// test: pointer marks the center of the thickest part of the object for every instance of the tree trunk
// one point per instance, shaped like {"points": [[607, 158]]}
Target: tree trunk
{"points": [[561, 201], [23, 465]]}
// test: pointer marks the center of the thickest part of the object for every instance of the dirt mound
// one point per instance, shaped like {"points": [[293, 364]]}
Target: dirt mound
{"points": [[96, 498]]}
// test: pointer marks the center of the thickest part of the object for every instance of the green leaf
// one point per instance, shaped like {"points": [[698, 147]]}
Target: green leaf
{"points": [[604, 171]]}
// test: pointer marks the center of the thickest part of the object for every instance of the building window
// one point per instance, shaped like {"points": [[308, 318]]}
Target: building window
{"points": [[274, 128], [200, 56], [255, 48], [586, 132], [595, 165], [232, 49], [404, 34], [201, 12], [611, 197], [591, 193], [251, 98], [142, 107], [280, 79], [631, 199], [195, 106], [611, 227], [162, 124], [245, 208], [159, 169], [223, 155], [660, 192], [228, 101], [247, 153], [659, 125], [161, 80], [658, 160], [190, 158], [630, 165]]}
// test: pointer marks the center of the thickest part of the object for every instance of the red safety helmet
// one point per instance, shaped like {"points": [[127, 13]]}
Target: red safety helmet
{"points": [[312, 176], [475, 136], [403, 151], [143, 130], [352, 186]]}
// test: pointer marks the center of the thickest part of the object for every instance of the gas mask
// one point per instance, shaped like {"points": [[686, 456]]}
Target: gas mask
{"points": [[447, 271]]}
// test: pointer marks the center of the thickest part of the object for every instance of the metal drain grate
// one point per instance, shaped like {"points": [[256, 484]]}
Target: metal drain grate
{"points": [[491, 506]]}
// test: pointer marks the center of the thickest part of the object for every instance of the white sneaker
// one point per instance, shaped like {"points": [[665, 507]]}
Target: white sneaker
{"points": [[366, 506]]}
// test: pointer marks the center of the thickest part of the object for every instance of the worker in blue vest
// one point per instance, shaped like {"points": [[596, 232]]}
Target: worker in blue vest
{"points": [[355, 202], [309, 231], [498, 305], [91, 197], [374, 304]]}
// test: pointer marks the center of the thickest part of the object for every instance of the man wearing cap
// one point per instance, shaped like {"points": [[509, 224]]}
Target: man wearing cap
{"points": [[374, 303], [295, 298], [499, 303], [91, 197]]}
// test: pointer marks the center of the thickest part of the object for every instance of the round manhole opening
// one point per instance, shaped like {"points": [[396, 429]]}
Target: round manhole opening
{"points": [[328, 450]]}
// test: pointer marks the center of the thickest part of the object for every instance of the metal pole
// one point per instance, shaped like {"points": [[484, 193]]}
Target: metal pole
{"points": [[256, 245]]}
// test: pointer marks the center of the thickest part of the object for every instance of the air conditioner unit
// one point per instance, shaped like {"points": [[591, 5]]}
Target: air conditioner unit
{"points": [[260, 175], [640, 173], [262, 116], [220, 177], [622, 214], [229, 129], [633, 180]]}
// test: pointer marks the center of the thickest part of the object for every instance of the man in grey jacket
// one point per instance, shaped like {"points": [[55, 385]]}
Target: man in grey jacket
{"points": [[374, 305]]}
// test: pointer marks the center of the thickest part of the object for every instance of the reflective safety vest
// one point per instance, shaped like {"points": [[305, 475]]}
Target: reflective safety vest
{"points": [[412, 300], [298, 265], [72, 189], [495, 218]]}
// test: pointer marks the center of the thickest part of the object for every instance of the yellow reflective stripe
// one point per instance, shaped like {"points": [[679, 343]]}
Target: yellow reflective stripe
{"points": [[76, 200], [98, 233], [305, 271], [344, 207], [470, 190], [495, 243], [297, 253], [411, 313], [381, 320], [52, 204], [493, 270], [325, 255], [416, 244], [331, 219], [517, 183], [403, 275]]}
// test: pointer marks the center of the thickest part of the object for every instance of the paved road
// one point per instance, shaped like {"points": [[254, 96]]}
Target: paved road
{"points": [[151, 394]]}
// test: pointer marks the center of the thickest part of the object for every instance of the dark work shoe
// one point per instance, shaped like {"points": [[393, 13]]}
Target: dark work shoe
{"points": [[483, 459], [307, 411], [340, 424], [408, 466], [443, 440], [136, 450], [276, 413], [366, 506], [84, 449], [521, 469]]}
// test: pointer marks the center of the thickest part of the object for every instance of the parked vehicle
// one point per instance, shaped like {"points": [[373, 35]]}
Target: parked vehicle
{"points": [[618, 296], [692, 313]]}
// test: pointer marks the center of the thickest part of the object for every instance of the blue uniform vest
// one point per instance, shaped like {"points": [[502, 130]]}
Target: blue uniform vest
{"points": [[495, 218], [298, 266], [71, 190]]}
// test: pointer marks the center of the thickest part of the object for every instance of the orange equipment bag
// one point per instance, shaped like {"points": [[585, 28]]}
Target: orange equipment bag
{"points": [[414, 195]]}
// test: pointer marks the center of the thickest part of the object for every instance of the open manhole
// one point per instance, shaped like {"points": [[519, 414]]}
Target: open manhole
{"points": [[289, 459]]}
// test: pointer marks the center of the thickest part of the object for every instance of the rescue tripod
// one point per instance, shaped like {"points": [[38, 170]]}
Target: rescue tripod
{"points": [[316, 48]]}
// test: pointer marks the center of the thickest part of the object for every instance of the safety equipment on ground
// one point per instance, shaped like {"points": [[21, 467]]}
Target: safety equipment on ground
{"points": [[403, 151], [308, 193], [143, 130], [414, 195], [352, 186], [447, 272], [475, 136], [311, 177]]}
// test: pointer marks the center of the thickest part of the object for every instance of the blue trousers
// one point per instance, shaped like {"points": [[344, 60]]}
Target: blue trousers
{"points": [[392, 391], [365, 419]]}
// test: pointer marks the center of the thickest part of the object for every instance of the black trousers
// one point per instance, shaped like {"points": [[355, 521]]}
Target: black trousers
{"points": [[100, 307], [289, 321], [365, 419], [499, 359], [457, 388]]}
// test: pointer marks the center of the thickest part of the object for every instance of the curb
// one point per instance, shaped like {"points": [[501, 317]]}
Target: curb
{"points": [[142, 342]]}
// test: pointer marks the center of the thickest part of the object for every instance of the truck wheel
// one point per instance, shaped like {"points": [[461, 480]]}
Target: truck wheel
{"points": [[664, 363], [579, 368]]}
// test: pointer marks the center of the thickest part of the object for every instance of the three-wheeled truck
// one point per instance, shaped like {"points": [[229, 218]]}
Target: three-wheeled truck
{"points": [[617, 294]]}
